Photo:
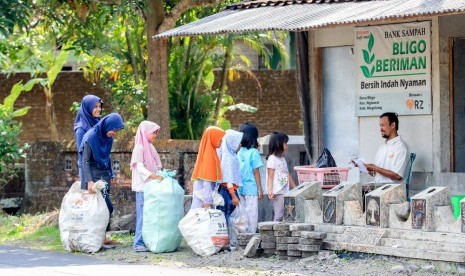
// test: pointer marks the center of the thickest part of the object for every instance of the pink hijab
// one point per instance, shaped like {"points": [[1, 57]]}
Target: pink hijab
{"points": [[144, 152]]}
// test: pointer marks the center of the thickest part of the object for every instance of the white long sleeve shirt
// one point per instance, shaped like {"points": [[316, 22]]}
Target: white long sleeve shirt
{"points": [[140, 176]]}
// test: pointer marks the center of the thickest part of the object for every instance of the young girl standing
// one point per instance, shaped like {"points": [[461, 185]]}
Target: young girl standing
{"points": [[278, 177], [207, 169], [145, 162], [231, 173], [250, 163]]}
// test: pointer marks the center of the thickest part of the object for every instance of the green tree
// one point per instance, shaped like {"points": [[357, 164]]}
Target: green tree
{"points": [[10, 150]]}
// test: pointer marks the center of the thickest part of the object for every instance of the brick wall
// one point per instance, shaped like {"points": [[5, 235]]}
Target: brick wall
{"points": [[52, 169], [277, 102], [69, 87], [276, 99]]}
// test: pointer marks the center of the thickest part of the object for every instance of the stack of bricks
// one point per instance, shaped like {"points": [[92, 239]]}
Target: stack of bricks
{"points": [[244, 238], [288, 241]]}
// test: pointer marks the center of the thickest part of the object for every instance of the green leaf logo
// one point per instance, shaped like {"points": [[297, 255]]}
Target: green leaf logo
{"points": [[368, 57]]}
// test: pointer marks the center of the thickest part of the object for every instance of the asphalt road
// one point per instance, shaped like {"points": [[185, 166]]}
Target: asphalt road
{"points": [[19, 261]]}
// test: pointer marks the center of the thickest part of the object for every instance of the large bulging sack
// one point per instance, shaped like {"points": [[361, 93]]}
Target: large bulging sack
{"points": [[205, 231], [83, 219], [163, 209]]}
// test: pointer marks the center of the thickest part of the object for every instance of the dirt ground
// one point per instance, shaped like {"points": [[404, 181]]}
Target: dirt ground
{"points": [[326, 263]]}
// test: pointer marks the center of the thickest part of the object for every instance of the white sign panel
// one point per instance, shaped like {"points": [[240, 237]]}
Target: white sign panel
{"points": [[393, 69]]}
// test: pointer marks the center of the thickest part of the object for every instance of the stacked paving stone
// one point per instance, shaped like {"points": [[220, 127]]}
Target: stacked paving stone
{"points": [[288, 241], [244, 238]]}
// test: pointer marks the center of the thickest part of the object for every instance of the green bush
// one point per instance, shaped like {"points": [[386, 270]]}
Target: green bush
{"points": [[10, 151]]}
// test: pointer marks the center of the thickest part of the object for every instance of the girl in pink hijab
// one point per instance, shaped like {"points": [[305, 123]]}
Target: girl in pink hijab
{"points": [[145, 162]]}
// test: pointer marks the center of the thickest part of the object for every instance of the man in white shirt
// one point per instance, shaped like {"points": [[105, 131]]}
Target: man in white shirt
{"points": [[392, 156]]}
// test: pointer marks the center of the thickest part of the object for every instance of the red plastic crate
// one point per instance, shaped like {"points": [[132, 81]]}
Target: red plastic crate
{"points": [[329, 177]]}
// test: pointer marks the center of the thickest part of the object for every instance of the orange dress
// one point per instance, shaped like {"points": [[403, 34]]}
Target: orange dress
{"points": [[207, 166]]}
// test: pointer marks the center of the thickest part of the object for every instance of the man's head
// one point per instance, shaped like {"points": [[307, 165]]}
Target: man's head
{"points": [[389, 124]]}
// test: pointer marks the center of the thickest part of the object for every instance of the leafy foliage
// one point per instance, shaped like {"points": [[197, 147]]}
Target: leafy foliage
{"points": [[10, 150]]}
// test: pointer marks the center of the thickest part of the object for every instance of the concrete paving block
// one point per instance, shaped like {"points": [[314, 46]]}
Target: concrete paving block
{"points": [[287, 239], [266, 225], [312, 248], [294, 246], [294, 253], [310, 241], [266, 238], [245, 236], [282, 233], [266, 232], [281, 226], [281, 252], [269, 251], [281, 246], [301, 227], [313, 235], [268, 245], [251, 248], [296, 233]]}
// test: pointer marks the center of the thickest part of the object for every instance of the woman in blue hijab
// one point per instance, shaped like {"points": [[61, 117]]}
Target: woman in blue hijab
{"points": [[94, 154], [87, 117]]}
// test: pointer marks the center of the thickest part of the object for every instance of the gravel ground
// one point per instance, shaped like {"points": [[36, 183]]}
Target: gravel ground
{"points": [[326, 263]]}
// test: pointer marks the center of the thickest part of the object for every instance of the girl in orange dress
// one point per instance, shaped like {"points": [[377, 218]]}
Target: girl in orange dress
{"points": [[207, 169]]}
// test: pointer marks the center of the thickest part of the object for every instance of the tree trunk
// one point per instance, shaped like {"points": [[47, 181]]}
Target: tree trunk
{"points": [[50, 113], [157, 78], [224, 78]]}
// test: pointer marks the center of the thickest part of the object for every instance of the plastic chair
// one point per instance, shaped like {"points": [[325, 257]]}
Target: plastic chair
{"points": [[409, 173]]}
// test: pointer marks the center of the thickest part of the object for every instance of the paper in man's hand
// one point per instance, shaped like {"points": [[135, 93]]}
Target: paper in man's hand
{"points": [[360, 163]]}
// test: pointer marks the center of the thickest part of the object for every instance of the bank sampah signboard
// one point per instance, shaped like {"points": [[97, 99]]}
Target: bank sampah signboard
{"points": [[393, 69]]}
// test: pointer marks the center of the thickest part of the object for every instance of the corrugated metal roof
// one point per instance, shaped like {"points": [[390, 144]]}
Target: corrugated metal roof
{"points": [[305, 16]]}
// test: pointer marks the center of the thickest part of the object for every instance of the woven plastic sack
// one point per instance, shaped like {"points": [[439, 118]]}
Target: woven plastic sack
{"points": [[163, 209], [205, 231], [83, 219]]}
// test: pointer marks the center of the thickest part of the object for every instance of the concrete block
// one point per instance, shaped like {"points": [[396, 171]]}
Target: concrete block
{"points": [[282, 233], [281, 246], [281, 226], [307, 254], [422, 207], [353, 213], [310, 241], [268, 245], [266, 232], [301, 227], [309, 248], [313, 235], [377, 203], [294, 253], [313, 212], [280, 252], [287, 239], [294, 200], [334, 199], [267, 225], [251, 248], [445, 221], [397, 213], [267, 238], [294, 246], [295, 233]]}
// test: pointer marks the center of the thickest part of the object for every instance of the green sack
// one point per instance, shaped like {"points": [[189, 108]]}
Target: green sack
{"points": [[163, 209]]}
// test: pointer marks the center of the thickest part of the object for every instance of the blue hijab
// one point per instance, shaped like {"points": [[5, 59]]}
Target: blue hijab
{"points": [[84, 118], [98, 140]]}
